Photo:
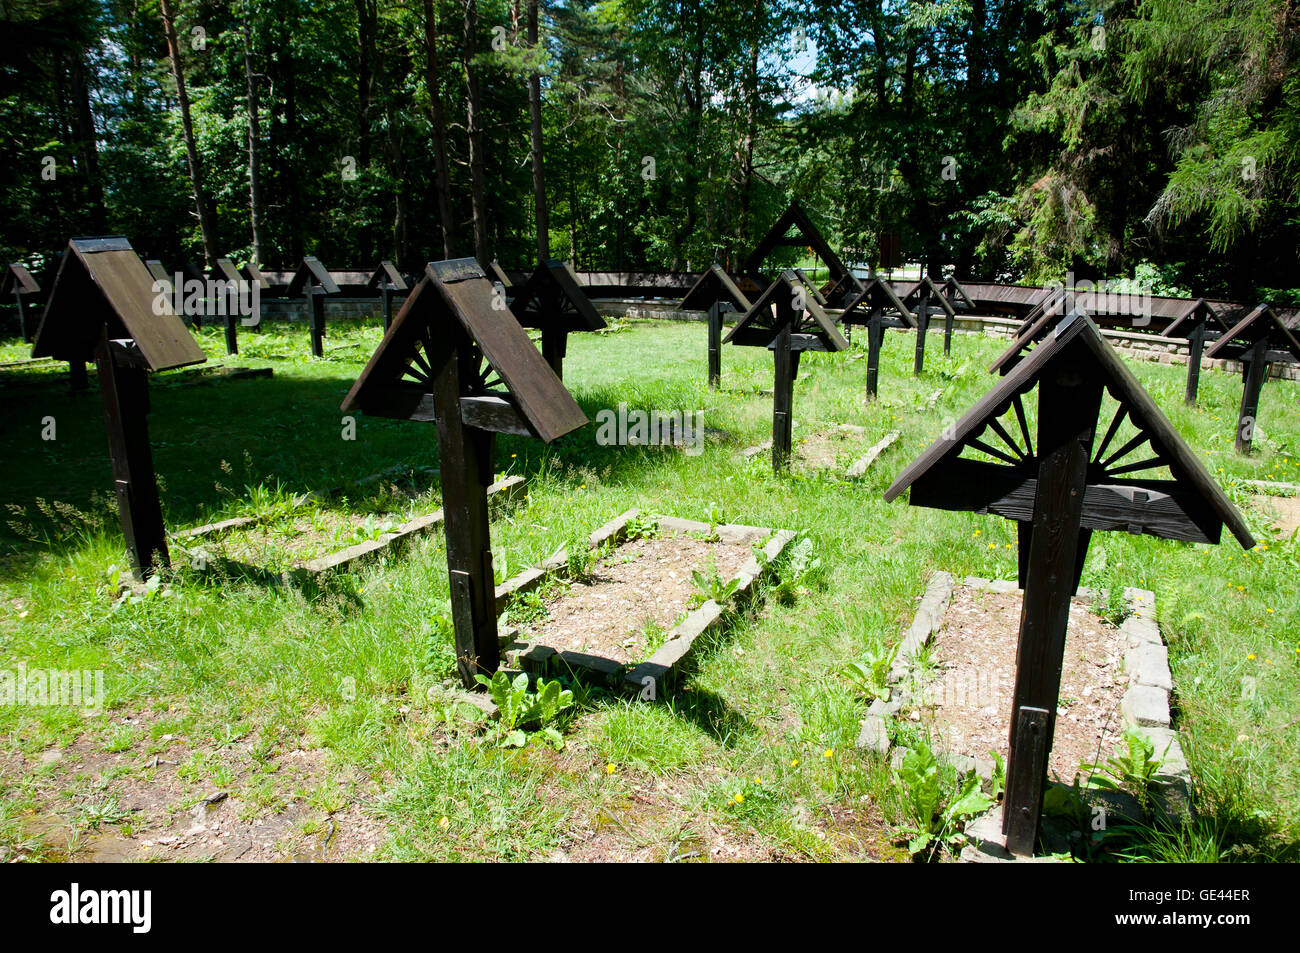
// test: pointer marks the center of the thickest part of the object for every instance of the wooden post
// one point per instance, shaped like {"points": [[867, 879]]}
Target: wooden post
{"points": [[23, 329], [1195, 345], [875, 338], [1253, 374], [1068, 405], [466, 473], [77, 379], [922, 325], [386, 295], [316, 313], [124, 390], [715, 345], [554, 341], [782, 396], [232, 323], [948, 321]]}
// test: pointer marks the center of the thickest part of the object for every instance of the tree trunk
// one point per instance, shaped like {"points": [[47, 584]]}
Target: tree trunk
{"points": [[187, 129], [367, 27], [254, 147], [474, 118], [535, 140], [751, 120], [442, 175], [86, 145]]}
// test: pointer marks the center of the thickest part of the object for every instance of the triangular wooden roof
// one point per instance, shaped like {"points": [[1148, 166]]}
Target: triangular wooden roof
{"points": [[102, 281], [715, 285], [809, 235], [158, 271], [760, 316], [498, 274], [311, 270], [936, 294], [18, 280], [1078, 343], [223, 269], [253, 274], [387, 274], [552, 295], [1261, 322], [954, 288], [1041, 318], [452, 297], [879, 293], [1196, 312], [811, 286]]}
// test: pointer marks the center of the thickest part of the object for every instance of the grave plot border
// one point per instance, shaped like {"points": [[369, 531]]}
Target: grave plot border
{"points": [[666, 661]]}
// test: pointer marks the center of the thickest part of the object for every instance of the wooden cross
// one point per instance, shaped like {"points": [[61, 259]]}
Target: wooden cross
{"points": [[387, 279], [719, 294], [224, 270], [1198, 324], [18, 281], [923, 293], [787, 320], [1061, 485], [844, 285], [878, 308], [552, 301], [103, 307], [1257, 340], [449, 359], [314, 282]]}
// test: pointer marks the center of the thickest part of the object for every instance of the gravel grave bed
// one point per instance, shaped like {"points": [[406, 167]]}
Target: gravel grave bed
{"points": [[1284, 511], [969, 692], [633, 597]]}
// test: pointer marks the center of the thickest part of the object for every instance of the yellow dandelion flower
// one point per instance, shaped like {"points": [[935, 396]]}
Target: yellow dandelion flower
{"points": [[828, 753], [444, 823], [609, 768], [794, 763], [1250, 657], [739, 798]]}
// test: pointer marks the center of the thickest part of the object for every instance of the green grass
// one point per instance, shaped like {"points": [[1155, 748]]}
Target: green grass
{"points": [[350, 670]]}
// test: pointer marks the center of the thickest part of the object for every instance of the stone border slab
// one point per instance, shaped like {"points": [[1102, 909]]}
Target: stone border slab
{"points": [[667, 659], [310, 571], [1144, 706], [861, 465]]}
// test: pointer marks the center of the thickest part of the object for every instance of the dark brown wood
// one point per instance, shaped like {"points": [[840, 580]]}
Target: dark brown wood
{"points": [[124, 392], [102, 282], [782, 395], [386, 279], [1031, 735], [922, 311], [715, 345], [1068, 405], [462, 452], [19, 282], [1254, 374], [316, 321], [794, 217], [1058, 492], [553, 301]]}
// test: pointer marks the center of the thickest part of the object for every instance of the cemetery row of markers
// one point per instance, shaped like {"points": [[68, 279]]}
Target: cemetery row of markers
{"points": [[454, 357]]}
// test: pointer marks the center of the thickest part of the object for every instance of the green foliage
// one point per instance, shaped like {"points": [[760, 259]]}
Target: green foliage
{"points": [[1132, 769], [934, 821], [710, 585], [870, 674], [525, 717]]}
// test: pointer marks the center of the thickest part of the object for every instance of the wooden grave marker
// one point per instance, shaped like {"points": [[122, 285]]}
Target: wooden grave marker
{"points": [[923, 294], [843, 285], [872, 308], [224, 270], [1041, 319], [18, 281], [1199, 324], [314, 282], [719, 294], [787, 320], [449, 359], [386, 280], [1257, 340], [552, 301], [103, 307], [1058, 489]]}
